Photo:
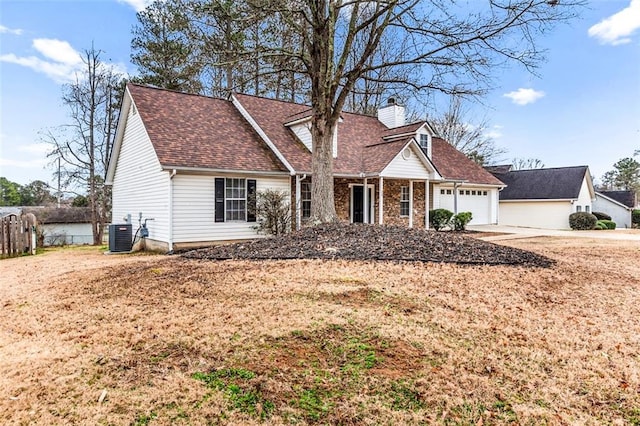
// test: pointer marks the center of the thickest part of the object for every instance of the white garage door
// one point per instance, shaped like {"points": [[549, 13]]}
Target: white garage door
{"points": [[476, 201]]}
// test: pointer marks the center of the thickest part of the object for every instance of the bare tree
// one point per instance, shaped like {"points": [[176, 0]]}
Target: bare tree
{"points": [[527, 164], [457, 127], [440, 45], [84, 145]]}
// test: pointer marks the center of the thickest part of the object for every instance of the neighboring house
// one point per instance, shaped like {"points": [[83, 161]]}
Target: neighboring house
{"points": [[543, 198], [617, 204], [63, 225], [191, 163]]}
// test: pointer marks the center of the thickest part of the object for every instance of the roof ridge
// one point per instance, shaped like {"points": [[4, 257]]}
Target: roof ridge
{"points": [[549, 168], [384, 142], [199, 95]]}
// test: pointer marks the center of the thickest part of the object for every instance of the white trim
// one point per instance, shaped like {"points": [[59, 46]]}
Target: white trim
{"points": [[261, 133], [204, 171], [410, 204], [173, 173], [426, 204], [127, 101], [381, 201], [367, 213]]}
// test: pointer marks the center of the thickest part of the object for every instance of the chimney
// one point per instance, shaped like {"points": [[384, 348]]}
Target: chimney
{"points": [[392, 114]]}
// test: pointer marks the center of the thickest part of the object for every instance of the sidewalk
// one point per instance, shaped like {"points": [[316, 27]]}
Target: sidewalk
{"points": [[514, 232]]}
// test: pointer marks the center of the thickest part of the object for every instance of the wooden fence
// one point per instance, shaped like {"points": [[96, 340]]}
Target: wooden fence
{"points": [[17, 235]]}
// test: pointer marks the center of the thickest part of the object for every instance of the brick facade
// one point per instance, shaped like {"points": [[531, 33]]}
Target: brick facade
{"points": [[342, 194]]}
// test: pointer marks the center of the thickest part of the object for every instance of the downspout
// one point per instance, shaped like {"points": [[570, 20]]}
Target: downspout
{"points": [[455, 196], [171, 176]]}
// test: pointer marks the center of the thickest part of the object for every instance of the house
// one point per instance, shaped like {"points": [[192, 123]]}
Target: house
{"points": [[543, 198], [191, 163], [617, 204], [63, 225]]}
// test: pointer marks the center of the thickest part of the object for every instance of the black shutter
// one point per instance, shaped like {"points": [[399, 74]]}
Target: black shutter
{"points": [[251, 200], [219, 199]]}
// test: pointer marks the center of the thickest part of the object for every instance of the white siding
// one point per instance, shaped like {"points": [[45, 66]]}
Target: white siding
{"points": [[484, 208], [536, 214], [194, 209], [392, 116], [406, 167], [139, 184], [303, 132], [619, 214], [584, 197]]}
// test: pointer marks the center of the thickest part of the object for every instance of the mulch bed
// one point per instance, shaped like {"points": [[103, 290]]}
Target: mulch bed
{"points": [[374, 242]]}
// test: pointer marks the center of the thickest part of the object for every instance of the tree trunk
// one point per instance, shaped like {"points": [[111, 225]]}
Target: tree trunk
{"points": [[323, 208]]}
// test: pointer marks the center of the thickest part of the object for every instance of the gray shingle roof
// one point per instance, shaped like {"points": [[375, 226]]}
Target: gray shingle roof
{"points": [[628, 198], [560, 183]]}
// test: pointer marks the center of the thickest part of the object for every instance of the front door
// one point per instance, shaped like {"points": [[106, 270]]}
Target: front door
{"points": [[357, 204]]}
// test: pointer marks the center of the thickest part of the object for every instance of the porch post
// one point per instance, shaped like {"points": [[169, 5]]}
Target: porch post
{"points": [[381, 203], [426, 204], [410, 204], [365, 200], [298, 204]]}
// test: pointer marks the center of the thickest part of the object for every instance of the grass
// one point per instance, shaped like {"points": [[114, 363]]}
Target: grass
{"points": [[322, 342]]}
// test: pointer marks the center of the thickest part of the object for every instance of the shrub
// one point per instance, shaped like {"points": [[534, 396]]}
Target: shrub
{"points": [[440, 218], [461, 220], [600, 226], [601, 216], [608, 223], [635, 217], [582, 221], [273, 212]]}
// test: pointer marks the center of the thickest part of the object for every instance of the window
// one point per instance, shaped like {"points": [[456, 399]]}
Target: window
{"points": [[305, 199], [473, 192], [484, 192], [578, 208], [587, 209], [449, 192], [235, 200], [424, 142], [404, 201]]}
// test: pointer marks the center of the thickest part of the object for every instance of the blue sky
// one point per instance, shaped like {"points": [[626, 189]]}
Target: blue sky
{"points": [[583, 109]]}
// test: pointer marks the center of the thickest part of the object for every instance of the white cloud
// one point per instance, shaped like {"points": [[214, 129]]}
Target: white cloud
{"points": [[524, 96], [5, 30], [618, 28], [57, 50], [138, 5], [60, 64], [494, 132]]}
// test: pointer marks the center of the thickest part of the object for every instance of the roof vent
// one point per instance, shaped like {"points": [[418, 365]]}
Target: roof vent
{"points": [[391, 101]]}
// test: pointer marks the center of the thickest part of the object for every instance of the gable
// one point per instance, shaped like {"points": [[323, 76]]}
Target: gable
{"points": [[409, 163]]}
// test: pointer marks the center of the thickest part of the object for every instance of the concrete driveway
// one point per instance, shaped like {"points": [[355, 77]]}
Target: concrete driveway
{"points": [[513, 232]]}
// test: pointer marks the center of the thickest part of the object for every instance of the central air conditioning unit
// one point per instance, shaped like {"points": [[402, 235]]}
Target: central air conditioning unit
{"points": [[120, 238]]}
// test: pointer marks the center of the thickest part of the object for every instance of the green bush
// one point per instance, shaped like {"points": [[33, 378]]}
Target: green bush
{"points": [[635, 217], [440, 218], [608, 223], [601, 216], [582, 221], [461, 220], [600, 226]]}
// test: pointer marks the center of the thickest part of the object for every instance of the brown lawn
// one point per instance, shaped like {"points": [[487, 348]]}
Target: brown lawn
{"points": [[93, 339]]}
